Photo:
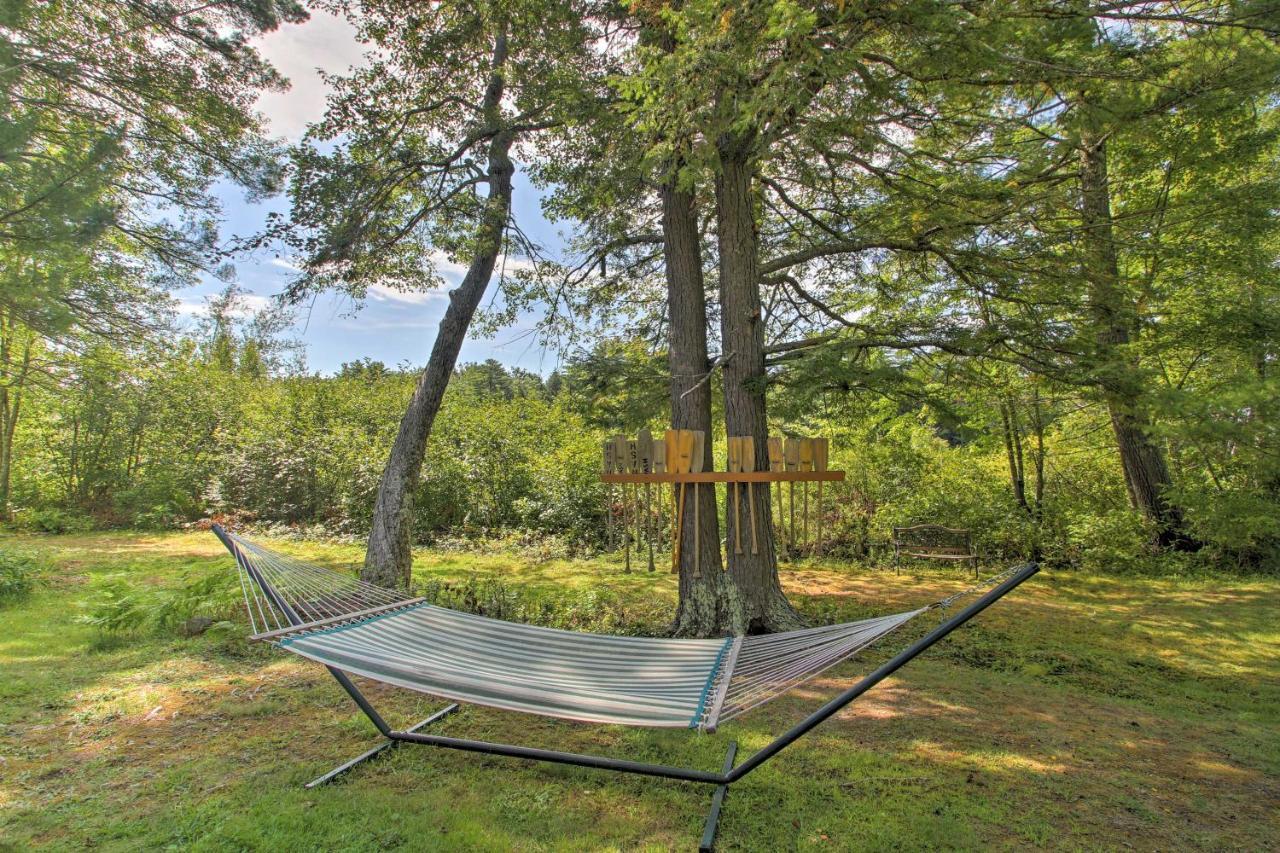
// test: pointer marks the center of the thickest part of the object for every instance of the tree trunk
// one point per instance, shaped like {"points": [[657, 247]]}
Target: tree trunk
{"points": [[708, 605], [14, 373], [764, 607], [1013, 450], [1145, 470], [389, 560]]}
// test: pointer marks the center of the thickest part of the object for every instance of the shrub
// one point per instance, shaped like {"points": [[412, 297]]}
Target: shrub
{"points": [[17, 575], [120, 607], [1117, 541], [57, 521], [581, 610]]}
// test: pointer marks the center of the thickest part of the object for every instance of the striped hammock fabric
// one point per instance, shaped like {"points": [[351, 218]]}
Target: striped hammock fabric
{"points": [[339, 621]]}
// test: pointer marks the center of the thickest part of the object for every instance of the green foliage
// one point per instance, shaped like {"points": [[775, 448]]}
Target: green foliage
{"points": [[56, 520], [18, 573], [591, 610], [119, 605]]}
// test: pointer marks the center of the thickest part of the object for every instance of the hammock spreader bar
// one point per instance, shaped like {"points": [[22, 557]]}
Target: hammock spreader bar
{"points": [[721, 780]]}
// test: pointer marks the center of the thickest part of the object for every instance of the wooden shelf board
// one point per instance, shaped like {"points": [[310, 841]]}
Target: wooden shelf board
{"points": [[728, 477]]}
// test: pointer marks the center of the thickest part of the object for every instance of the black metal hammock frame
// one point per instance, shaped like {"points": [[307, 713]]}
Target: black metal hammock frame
{"points": [[721, 780]]}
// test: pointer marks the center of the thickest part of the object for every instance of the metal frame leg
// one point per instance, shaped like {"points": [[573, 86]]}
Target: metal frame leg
{"points": [[377, 750], [717, 802]]}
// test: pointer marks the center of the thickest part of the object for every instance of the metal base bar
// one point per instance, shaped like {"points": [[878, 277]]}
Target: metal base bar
{"points": [[377, 750], [717, 802]]}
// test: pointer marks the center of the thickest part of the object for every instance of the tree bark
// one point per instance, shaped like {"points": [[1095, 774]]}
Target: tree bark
{"points": [[708, 604], [764, 607], [1145, 469], [389, 559]]}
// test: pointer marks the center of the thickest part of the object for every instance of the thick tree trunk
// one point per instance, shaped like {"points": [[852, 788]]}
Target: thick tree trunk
{"points": [[1145, 469], [389, 560], [708, 605], [764, 606]]}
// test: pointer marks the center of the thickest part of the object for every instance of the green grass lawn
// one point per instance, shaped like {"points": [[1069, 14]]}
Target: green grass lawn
{"points": [[1081, 712]]}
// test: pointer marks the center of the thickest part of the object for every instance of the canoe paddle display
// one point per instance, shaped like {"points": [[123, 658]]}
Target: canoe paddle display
{"points": [[678, 458]]}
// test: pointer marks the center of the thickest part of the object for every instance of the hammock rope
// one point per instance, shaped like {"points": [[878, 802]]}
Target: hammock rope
{"points": [[391, 636]]}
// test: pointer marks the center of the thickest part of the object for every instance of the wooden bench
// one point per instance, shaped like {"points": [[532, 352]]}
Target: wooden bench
{"points": [[933, 542]]}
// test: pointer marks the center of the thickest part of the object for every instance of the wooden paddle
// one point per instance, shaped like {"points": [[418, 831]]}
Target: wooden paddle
{"points": [[695, 466], [684, 460], [820, 450], [792, 458], [806, 464], [776, 464], [671, 438], [747, 462], [733, 464], [644, 456], [659, 455]]}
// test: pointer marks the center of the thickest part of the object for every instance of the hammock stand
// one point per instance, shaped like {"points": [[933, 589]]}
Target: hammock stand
{"points": [[721, 780]]}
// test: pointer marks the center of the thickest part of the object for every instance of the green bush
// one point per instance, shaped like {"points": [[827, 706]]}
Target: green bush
{"points": [[583, 610], [55, 521], [118, 607], [1118, 541], [17, 575]]}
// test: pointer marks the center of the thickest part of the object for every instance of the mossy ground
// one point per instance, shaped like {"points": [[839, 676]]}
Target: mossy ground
{"points": [[1084, 712]]}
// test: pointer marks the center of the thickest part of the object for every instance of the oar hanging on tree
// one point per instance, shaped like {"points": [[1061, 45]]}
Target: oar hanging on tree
{"points": [[747, 462], [806, 464], [733, 464], [659, 455], [776, 465], [820, 449], [695, 467], [644, 454], [621, 457], [792, 450]]}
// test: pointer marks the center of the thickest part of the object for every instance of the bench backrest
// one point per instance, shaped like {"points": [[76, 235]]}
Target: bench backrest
{"points": [[934, 538]]}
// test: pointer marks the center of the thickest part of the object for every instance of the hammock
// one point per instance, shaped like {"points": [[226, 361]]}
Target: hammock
{"points": [[395, 638], [355, 627]]}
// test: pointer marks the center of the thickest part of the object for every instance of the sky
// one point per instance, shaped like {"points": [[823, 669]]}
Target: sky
{"points": [[392, 327]]}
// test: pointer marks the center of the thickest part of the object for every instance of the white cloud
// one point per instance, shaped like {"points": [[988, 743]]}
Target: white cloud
{"points": [[285, 264], [247, 304], [382, 293], [326, 42]]}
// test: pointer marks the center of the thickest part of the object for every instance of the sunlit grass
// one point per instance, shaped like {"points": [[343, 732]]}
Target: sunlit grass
{"points": [[1084, 711]]}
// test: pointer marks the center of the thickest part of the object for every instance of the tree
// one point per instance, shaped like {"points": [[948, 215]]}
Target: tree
{"points": [[450, 91], [118, 117]]}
